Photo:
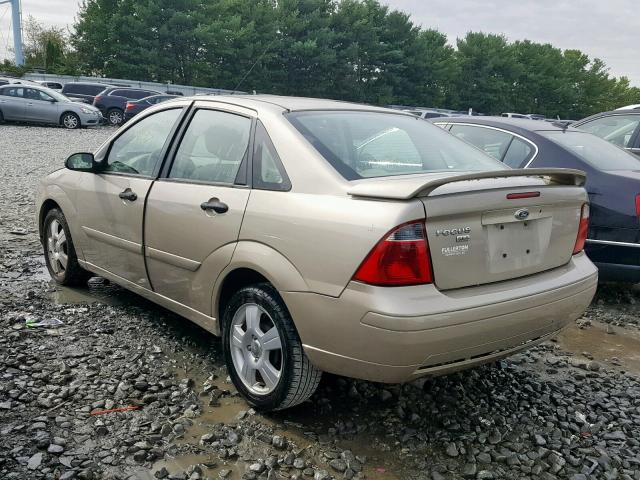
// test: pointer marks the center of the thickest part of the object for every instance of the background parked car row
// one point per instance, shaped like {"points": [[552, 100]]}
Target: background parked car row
{"points": [[613, 179]]}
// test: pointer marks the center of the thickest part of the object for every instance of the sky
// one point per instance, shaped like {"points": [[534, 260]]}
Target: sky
{"points": [[606, 29]]}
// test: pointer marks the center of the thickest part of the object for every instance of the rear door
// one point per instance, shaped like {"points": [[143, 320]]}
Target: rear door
{"points": [[194, 213], [12, 103], [111, 203]]}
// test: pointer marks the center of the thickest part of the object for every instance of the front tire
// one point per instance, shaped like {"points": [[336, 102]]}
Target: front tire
{"points": [[115, 117], [70, 121], [263, 351], [59, 252]]}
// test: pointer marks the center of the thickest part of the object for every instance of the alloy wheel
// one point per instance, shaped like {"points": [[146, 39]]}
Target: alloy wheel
{"points": [[256, 349], [115, 117], [70, 121], [57, 248]]}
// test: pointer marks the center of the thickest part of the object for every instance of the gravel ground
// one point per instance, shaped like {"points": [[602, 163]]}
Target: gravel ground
{"points": [[548, 413]]}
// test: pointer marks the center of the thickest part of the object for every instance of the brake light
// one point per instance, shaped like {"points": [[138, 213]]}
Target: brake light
{"points": [[638, 205], [97, 99], [401, 258], [129, 106], [517, 196], [583, 228]]}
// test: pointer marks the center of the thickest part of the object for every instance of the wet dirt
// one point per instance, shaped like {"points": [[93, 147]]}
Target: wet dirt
{"points": [[615, 346]]}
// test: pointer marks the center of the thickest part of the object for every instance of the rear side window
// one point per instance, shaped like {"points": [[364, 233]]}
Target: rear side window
{"points": [[4, 82], [518, 153], [82, 89], [490, 141], [14, 92], [617, 129], [213, 148], [268, 171], [363, 144]]}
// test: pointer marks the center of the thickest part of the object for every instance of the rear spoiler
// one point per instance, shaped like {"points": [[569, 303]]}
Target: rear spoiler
{"points": [[404, 188]]}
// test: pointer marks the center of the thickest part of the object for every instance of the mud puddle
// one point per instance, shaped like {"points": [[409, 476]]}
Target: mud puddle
{"points": [[302, 426], [99, 291], [621, 348]]}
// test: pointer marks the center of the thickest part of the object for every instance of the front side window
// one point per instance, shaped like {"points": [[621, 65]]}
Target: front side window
{"points": [[138, 150], [617, 129], [34, 94], [376, 144], [213, 148], [490, 141], [595, 151]]}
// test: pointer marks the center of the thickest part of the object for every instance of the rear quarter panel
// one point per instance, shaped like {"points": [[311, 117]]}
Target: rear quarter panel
{"points": [[326, 237]]}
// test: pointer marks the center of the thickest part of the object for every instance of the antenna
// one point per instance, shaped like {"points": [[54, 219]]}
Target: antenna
{"points": [[256, 62], [16, 21]]}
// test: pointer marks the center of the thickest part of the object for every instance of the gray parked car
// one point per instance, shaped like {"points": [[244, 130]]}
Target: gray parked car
{"points": [[42, 105]]}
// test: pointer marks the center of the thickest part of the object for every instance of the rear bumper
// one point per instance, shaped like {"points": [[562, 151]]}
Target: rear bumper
{"points": [[394, 335]]}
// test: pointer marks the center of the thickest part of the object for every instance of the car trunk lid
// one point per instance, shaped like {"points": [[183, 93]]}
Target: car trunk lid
{"points": [[492, 226]]}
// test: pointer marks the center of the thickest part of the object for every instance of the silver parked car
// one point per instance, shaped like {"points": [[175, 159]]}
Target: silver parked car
{"points": [[316, 235], [42, 105]]}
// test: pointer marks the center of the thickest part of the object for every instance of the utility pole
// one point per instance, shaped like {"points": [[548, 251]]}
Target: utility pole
{"points": [[16, 21]]}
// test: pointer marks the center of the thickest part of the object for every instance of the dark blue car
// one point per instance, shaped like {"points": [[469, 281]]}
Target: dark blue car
{"points": [[613, 179], [134, 107]]}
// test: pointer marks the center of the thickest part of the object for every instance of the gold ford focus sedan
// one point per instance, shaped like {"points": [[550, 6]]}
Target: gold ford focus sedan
{"points": [[317, 235]]}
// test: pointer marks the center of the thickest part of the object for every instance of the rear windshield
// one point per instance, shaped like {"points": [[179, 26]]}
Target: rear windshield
{"points": [[597, 152], [376, 144]]}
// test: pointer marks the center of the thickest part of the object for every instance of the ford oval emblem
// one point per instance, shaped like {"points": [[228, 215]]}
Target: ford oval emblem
{"points": [[522, 214]]}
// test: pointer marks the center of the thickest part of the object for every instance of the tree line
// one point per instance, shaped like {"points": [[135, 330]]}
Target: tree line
{"points": [[356, 50]]}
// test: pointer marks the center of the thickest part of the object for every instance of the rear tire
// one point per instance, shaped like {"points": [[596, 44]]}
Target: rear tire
{"points": [[263, 351], [1, 117], [115, 117], [70, 121], [59, 252]]}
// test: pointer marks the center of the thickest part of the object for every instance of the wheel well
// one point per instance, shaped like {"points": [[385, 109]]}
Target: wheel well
{"points": [[47, 206], [64, 113], [233, 282]]}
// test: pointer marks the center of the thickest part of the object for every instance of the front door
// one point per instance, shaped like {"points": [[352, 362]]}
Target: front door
{"points": [[41, 107], [111, 203], [194, 214]]}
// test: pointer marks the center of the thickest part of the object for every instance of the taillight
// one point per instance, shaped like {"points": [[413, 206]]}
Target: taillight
{"points": [[638, 205], [129, 106], [582, 229], [399, 259], [97, 99]]}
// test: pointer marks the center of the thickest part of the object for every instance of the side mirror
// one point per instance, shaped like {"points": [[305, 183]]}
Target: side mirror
{"points": [[81, 162]]}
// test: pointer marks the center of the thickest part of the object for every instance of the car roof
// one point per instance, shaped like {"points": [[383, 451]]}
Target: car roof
{"points": [[292, 104], [117, 87], [93, 84], [511, 124]]}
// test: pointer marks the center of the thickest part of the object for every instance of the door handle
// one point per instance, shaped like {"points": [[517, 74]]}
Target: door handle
{"points": [[215, 205], [128, 195]]}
